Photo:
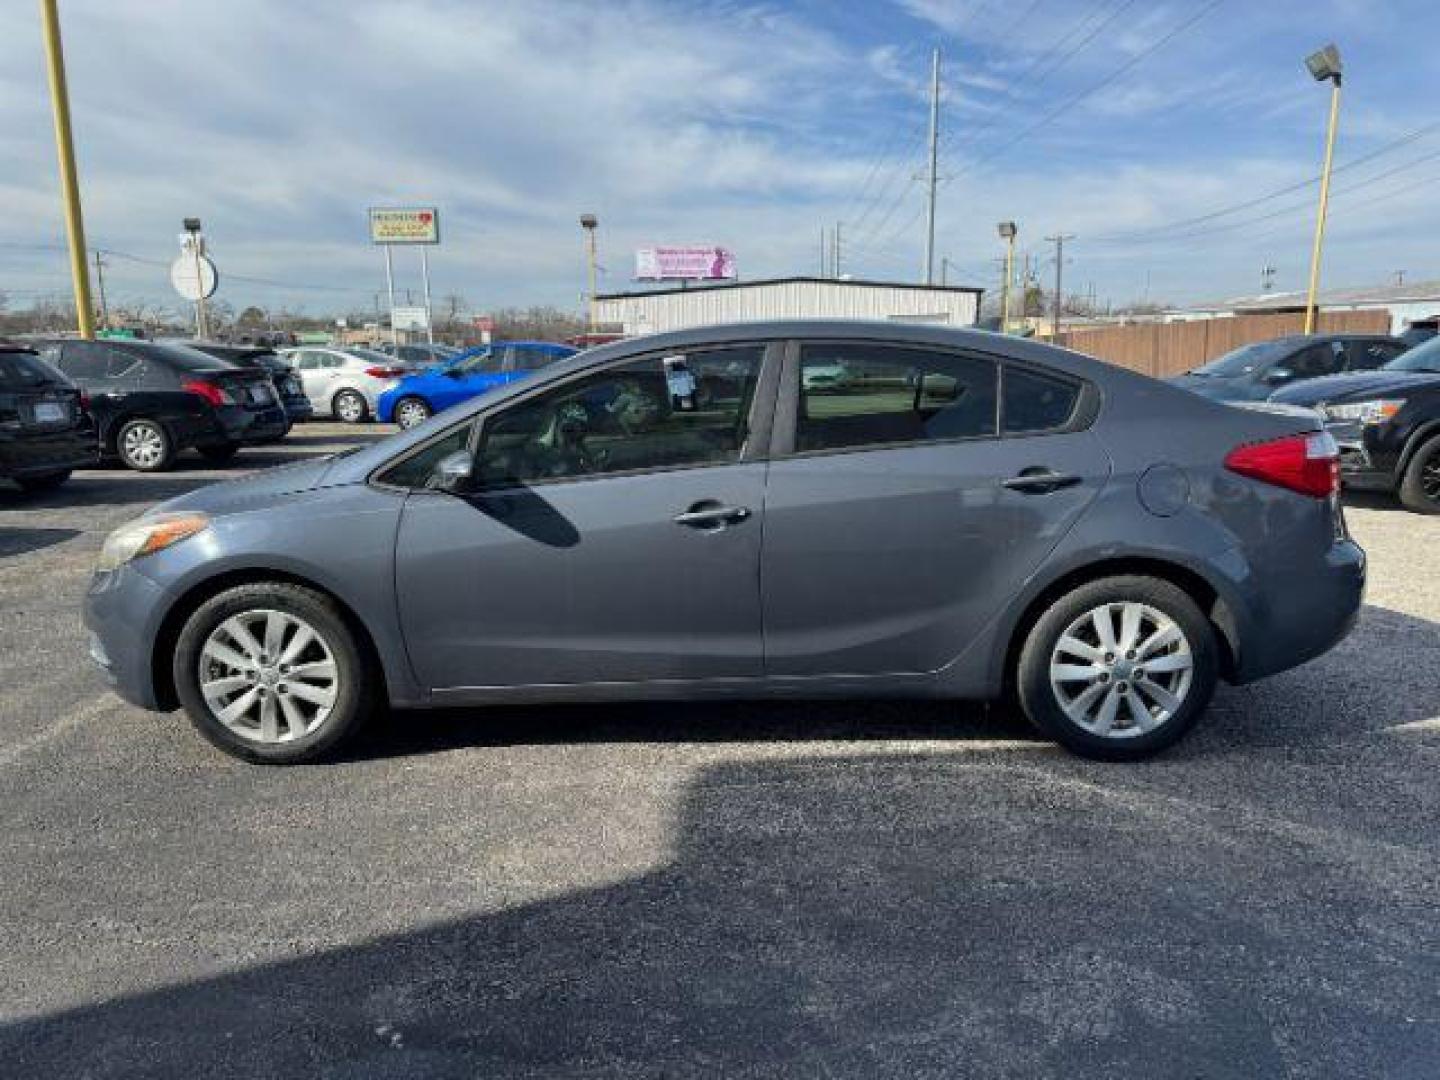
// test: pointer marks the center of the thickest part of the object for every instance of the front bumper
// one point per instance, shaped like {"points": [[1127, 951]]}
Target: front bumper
{"points": [[1359, 468], [122, 612]]}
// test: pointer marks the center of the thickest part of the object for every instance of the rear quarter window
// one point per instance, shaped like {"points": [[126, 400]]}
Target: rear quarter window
{"points": [[1033, 401]]}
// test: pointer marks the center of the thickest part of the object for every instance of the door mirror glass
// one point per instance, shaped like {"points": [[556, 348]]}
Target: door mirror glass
{"points": [[453, 472]]}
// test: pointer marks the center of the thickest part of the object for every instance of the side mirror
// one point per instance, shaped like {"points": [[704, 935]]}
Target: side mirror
{"points": [[453, 472], [1279, 375]]}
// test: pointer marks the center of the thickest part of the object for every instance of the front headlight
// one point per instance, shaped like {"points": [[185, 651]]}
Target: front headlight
{"points": [[1366, 412], [146, 536]]}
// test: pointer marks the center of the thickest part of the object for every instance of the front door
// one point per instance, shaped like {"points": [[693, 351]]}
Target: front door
{"points": [[913, 503], [611, 535]]}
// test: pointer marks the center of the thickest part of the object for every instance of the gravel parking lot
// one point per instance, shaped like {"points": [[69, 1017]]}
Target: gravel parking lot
{"points": [[865, 890]]}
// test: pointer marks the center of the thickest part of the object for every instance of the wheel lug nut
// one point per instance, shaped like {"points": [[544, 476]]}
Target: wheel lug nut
{"points": [[1130, 655]]}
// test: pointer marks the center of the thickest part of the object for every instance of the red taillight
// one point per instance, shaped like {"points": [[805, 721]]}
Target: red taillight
{"points": [[207, 390], [384, 372], [1309, 464], [84, 401]]}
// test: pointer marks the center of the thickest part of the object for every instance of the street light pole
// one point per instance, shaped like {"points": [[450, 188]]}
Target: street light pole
{"points": [[590, 223], [1324, 66], [1007, 231], [931, 173], [69, 183]]}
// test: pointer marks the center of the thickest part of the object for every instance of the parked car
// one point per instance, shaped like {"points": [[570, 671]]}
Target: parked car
{"points": [[1105, 544], [1254, 372], [286, 381], [45, 431], [151, 402], [344, 383], [1419, 331], [421, 354], [419, 396], [1387, 424]]}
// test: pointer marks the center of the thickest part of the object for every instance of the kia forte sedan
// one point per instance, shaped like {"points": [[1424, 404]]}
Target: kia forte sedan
{"points": [[688, 516]]}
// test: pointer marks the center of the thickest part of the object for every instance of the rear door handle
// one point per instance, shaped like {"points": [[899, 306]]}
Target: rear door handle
{"points": [[1040, 481], [711, 515]]}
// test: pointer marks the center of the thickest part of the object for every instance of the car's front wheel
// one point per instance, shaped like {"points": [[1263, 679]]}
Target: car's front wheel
{"points": [[271, 673], [411, 412], [1118, 669], [349, 407], [145, 445], [1420, 486]]}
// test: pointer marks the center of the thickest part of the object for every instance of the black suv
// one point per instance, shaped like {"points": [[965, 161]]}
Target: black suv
{"points": [[1387, 423], [152, 401], [287, 383], [44, 429]]}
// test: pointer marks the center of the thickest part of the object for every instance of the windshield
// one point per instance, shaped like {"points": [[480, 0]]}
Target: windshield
{"points": [[374, 356], [1245, 360], [1424, 357], [487, 361]]}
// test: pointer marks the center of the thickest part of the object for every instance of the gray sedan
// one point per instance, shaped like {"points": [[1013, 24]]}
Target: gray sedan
{"points": [[690, 516]]}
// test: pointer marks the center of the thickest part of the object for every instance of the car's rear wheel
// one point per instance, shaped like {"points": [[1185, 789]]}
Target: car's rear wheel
{"points": [[44, 481], [349, 406], [1118, 669], [271, 673], [1420, 486], [411, 412], [145, 445]]}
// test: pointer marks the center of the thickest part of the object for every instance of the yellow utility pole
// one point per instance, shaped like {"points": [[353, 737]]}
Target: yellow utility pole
{"points": [[69, 185], [1007, 233], [1324, 65]]}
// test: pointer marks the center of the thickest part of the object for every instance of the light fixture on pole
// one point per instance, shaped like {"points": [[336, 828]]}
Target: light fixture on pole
{"points": [[1325, 67], [1008, 232], [197, 252], [590, 223]]}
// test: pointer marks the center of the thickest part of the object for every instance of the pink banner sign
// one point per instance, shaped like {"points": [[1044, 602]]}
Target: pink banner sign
{"points": [[684, 263]]}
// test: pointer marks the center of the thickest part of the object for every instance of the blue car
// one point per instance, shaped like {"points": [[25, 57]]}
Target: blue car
{"points": [[418, 397]]}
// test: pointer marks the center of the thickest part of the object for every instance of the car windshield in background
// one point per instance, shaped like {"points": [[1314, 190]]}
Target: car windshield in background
{"points": [[480, 363], [24, 369], [1244, 360], [1424, 357], [371, 355]]}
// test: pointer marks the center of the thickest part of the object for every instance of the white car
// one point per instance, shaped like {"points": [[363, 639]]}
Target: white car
{"points": [[344, 382]]}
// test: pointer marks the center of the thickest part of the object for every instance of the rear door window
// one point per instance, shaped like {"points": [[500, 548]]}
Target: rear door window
{"points": [[84, 361], [1325, 358], [854, 395], [1369, 355]]}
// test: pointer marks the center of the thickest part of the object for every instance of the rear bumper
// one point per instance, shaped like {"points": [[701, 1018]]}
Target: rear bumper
{"points": [[39, 452], [245, 427], [298, 409], [1300, 616]]}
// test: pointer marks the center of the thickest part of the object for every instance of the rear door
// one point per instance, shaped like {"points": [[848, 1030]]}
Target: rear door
{"points": [[911, 492]]}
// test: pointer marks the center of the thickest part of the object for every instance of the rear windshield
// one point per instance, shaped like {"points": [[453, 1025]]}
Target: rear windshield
{"points": [[25, 369], [177, 356], [1244, 360], [1423, 357]]}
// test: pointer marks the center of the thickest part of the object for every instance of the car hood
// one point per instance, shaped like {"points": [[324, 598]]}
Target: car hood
{"points": [[1214, 387], [252, 492], [1356, 386]]}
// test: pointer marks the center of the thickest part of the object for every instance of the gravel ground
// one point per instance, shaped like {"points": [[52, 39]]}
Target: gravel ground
{"points": [[762, 890]]}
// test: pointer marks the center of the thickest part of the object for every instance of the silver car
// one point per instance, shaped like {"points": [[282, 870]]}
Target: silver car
{"points": [[344, 382], [689, 516]]}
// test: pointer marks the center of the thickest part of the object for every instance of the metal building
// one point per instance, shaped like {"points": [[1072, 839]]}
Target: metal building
{"points": [[656, 311]]}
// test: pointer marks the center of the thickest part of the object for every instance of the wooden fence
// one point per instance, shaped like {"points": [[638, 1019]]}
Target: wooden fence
{"points": [[1164, 349]]}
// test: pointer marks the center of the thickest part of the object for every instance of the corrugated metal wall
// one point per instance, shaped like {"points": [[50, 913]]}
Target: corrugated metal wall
{"points": [[657, 312]]}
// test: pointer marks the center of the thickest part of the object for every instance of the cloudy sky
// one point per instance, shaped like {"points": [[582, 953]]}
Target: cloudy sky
{"points": [[1138, 126]]}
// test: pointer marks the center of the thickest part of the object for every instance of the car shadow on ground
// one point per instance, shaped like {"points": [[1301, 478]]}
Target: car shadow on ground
{"points": [[1347, 692], [22, 541], [1373, 500], [979, 913]]}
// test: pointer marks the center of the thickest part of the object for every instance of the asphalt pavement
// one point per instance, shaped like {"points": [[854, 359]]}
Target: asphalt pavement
{"points": [[761, 890]]}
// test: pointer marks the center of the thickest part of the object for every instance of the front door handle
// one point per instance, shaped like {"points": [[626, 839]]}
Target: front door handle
{"points": [[1039, 480], [710, 514]]}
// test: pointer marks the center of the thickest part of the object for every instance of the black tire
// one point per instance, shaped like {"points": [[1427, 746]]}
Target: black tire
{"points": [[350, 401], [354, 699], [38, 482], [411, 411], [1420, 486], [219, 455], [1043, 706], [133, 443]]}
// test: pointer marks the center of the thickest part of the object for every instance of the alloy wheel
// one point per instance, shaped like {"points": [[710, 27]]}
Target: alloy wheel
{"points": [[269, 676], [1121, 670], [1430, 477], [143, 446], [350, 407], [411, 412]]}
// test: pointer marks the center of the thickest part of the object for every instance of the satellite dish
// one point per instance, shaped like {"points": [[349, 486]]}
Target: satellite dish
{"points": [[195, 278]]}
